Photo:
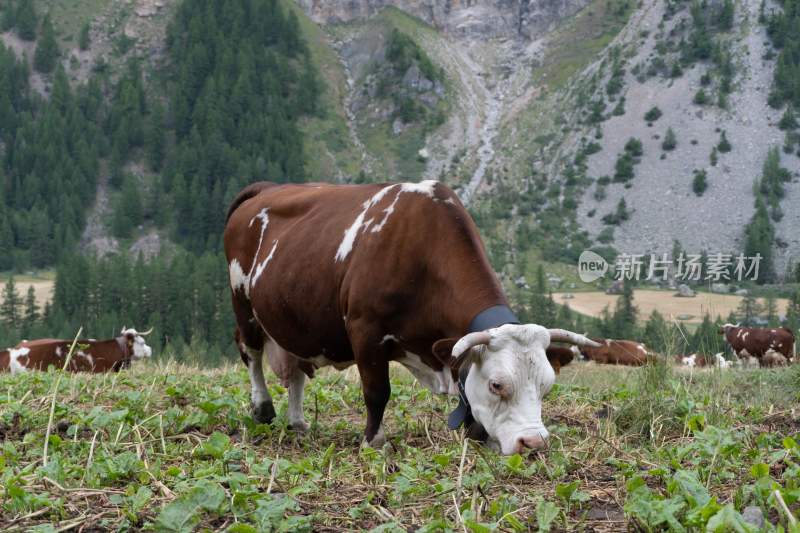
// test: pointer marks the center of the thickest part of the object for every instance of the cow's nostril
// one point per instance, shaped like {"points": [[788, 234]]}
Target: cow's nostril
{"points": [[533, 442]]}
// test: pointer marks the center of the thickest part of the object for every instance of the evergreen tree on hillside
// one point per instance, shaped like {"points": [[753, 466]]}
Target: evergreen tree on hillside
{"points": [[656, 333], [26, 20], [30, 315], [793, 313], [749, 309], [10, 307], [706, 339], [542, 307], [625, 314], [8, 16], [47, 51]]}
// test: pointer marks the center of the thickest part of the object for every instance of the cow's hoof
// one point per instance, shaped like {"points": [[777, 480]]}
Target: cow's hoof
{"points": [[377, 441], [300, 426], [263, 413]]}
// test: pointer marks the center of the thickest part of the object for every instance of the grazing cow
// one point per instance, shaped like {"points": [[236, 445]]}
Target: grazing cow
{"points": [[616, 352], [339, 275], [90, 355], [770, 346]]}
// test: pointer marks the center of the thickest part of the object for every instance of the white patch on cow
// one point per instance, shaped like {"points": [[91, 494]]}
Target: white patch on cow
{"points": [[348, 241], [744, 336], [721, 362], [450, 201], [59, 352], [641, 348], [739, 333], [321, 361], [351, 233], [426, 187], [237, 276], [240, 280], [690, 361], [87, 357], [263, 265], [13, 357], [772, 330], [432, 380]]}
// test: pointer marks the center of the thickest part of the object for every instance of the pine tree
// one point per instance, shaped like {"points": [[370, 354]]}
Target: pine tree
{"points": [[542, 306], [749, 309], [724, 145], [31, 312], [793, 313], [47, 50], [670, 140], [10, 308], [771, 310], [625, 314], [26, 20]]}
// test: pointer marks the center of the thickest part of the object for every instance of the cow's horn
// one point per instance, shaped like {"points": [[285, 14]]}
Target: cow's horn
{"points": [[469, 341], [562, 335], [148, 332]]}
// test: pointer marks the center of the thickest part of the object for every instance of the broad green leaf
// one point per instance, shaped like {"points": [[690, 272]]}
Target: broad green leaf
{"points": [[729, 519], [546, 513]]}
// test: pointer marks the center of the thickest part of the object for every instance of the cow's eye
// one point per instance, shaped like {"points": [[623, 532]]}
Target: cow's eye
{"points": [[495, 387]]}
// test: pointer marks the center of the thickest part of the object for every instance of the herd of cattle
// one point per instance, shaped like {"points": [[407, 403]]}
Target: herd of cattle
{"points": [[363, 275]]}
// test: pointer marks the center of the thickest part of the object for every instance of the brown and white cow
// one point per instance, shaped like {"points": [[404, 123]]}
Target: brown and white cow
{"points": [[559, 356], [365, 274], [90, 355], [616, 352], [770, 346]]}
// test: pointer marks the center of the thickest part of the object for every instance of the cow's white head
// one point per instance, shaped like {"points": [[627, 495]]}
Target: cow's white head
{"points": [[136, 343], [509, 375]]}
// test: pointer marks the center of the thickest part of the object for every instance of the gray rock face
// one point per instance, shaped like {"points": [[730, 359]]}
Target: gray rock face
{"points": [[494, 18]]}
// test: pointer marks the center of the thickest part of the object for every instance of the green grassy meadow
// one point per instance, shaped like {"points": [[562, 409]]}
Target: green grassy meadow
{"points": [[164, 447]]}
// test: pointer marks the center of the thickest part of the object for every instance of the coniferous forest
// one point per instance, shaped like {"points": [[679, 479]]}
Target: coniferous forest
{"points": [[221, 114]]}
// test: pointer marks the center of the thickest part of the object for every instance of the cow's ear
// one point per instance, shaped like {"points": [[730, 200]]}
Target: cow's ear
{"points": [[443, 350]]}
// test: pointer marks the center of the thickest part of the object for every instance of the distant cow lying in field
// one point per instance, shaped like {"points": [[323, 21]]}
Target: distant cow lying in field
{"points": [[702, 361], [339, 275], [616, 352], [770, 346], [90, 355]]}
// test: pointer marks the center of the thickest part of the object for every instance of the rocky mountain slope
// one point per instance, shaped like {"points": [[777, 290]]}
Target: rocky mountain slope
{"points": [[526, 107], [521, 100]]}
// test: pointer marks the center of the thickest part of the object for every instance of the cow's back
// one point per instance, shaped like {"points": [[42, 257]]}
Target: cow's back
{"points": [[310, 260]]}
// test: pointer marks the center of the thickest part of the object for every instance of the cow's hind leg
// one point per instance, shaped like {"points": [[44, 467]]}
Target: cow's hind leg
{"points": [[251, 349], [292, 373]]}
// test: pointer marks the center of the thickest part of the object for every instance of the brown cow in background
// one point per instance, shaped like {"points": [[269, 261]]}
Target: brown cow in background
{"points": [[616, 352], [770, 346], [90, 355]]}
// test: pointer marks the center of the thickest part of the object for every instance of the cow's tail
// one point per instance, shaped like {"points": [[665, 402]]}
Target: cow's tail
{"points": [[248, 192]]}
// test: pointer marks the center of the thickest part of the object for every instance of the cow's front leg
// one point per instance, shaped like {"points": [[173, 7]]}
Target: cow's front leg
{"points": [[263, 410], [375, 384]]}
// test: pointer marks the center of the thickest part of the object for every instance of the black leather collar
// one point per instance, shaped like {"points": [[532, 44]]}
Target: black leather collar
{"points": [[492, 317]]}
